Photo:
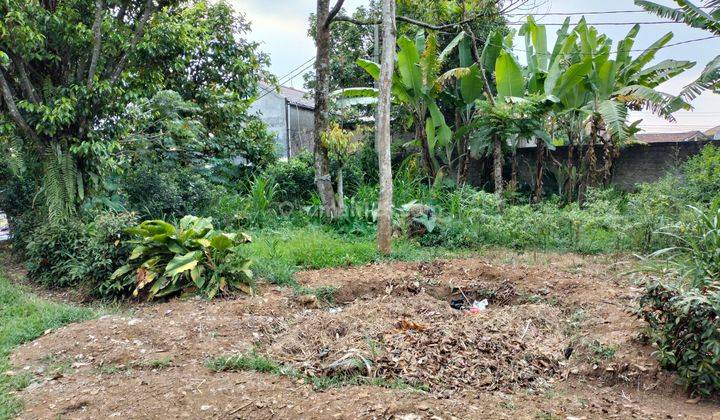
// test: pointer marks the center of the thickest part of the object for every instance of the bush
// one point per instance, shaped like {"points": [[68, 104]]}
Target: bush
{"points": [[651, 208], [702, 176], [77, 253], [683, 317], [258, 207], [685, 325], [697, 253], [295, 178], [163, 191], [168, 260]]}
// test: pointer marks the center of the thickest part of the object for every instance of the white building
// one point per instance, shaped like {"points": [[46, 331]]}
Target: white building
{"points": [[289, 113]]}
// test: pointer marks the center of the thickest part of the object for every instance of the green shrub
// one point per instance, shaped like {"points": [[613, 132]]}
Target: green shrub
{"points": [[697, 253], [702, 176], [295, 178], [683, 317], [77, 253], [192, 257], [685, 325], [257, 207], [54, 253], [167, 191], [651, 208]]}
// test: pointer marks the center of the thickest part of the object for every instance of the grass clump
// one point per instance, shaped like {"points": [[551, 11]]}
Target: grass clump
{"points": [[257, 363], [24, 317], [250, 361]]}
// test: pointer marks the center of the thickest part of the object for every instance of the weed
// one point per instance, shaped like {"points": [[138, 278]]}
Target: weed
{"points": [[258, 363], [325, 294], [250, 361], [602, 351], [575, 322], [157, 364]]}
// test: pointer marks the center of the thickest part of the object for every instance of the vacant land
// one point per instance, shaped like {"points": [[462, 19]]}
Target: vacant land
{"points": [[557, 340]]}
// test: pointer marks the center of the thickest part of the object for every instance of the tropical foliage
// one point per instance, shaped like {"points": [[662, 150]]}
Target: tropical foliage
{"points": [[192, 257], [71, 70], [707, 18]]}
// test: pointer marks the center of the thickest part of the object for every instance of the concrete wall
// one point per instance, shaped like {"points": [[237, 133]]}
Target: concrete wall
{"points": [[637, 164], [271, 109], [301, 121]]}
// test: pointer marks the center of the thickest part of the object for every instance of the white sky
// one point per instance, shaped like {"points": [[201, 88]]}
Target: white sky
{"points": [[281, 27]]}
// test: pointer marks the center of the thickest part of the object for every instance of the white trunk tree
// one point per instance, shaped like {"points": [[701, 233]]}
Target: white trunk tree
{"points": [[383, 137]]}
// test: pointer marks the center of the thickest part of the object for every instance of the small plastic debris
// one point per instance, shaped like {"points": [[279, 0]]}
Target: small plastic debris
{"points": [[479, 306], [335, 310], [457, 303]]}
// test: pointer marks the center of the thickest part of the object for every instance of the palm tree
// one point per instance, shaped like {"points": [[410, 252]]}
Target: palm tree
{"points": [[696, 17]]}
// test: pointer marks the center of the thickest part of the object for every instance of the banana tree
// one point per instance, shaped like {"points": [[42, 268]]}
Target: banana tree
{"points": [[707, 19], [417, 86], [520, 100], [615, 86]]}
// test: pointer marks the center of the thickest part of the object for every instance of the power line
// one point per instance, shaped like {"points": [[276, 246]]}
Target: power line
{"points": [[291, 75], [659, 22], [603, 12]]}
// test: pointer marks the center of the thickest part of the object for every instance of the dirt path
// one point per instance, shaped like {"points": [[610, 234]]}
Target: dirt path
{"points": [[393, 322]]}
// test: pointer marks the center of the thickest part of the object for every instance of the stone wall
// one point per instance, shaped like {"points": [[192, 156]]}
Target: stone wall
{"points": [[637, 164]]}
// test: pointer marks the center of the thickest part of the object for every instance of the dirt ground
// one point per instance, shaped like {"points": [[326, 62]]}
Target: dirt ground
{"points": [[557, 340]]}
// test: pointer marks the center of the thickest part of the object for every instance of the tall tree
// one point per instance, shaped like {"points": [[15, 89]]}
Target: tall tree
{"points": [[323, 181], [70, 69], [383, 135]]}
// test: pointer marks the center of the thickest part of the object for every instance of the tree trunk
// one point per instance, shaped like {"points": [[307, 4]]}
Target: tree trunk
{"points": [[514, 171], [340, 193], [421, 136], [323, 181], [539, 169], [382, 130], [571, 178], [498, 166]]}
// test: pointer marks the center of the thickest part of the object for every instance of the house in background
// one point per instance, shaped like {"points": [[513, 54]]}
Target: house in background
{"points": [[289, 114], [713, 133], [653, 138]]}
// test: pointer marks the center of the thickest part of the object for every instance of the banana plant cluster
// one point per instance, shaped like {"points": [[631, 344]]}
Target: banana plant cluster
{"points": [[577, 93], [417, 87], [192, 257]]}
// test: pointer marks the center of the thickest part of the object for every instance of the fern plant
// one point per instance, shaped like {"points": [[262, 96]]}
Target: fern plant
{"points": [[192, 257]]}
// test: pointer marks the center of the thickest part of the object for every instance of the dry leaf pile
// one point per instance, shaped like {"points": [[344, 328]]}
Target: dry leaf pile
{"points": [[423, 341]]}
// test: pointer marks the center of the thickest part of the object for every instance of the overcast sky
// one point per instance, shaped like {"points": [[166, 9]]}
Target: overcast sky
{"points": [[281, 27]]}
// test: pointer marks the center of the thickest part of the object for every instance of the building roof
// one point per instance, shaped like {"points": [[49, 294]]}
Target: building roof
{"points": [[671, 137], [298, 97], [714, 133], [294, 96]]}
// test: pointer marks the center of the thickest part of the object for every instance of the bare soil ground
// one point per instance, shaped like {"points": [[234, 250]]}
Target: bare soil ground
{"points": [[391, 322]]}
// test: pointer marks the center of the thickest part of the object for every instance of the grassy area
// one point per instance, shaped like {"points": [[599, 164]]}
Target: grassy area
{"points": [[279, 253], [24, 317]]}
